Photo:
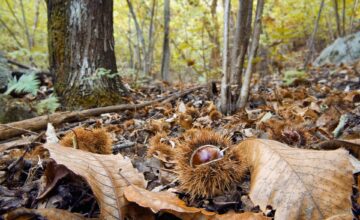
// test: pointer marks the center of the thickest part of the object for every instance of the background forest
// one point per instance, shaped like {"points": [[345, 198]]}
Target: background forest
{"points": [[196, 32], [180, 109]]}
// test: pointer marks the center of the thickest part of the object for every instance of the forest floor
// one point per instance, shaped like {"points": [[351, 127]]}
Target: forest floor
{"points": [[312, 110]]}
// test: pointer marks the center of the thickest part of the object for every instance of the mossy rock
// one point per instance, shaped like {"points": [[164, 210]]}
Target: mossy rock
{"points": [[12, 109], [344, 50], [5, 74]]}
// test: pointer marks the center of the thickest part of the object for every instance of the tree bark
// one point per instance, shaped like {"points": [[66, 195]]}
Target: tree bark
{"points": [[254, 44], [225, 101], [165, 64], [81, 41]]}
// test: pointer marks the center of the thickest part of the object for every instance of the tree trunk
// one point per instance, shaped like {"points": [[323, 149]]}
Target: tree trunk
{"points": [[312, 39], [225, 101], [241, 40], [237, 36], [353, 15], [254, 44], [140, 36], [343, 18], [338, 25], [244, 47], [165, 64], [81, 42], [151, 44], [131, 60], [214, 37]]}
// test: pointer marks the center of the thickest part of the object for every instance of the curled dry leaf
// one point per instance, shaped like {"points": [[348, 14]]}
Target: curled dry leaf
{"points": [[353, 146], [107, 176], [169, 202], [53, 214], [54, 173], [297, 183]]}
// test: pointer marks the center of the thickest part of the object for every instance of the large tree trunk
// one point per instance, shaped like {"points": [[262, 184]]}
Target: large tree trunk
{"points": [[165, 64], [80, 43]]}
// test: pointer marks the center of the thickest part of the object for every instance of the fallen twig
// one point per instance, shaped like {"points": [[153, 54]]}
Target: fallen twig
{"points": [[34, 124]]}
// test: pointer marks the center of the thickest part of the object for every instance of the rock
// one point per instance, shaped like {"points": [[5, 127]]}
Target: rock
{"points": [[14, 109], [5, 74], [344, 50]]}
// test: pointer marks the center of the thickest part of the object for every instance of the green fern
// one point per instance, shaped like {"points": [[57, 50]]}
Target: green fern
{"points": [[48, 105], [27, 83]]}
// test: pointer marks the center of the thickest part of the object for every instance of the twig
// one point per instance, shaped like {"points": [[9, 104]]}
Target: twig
{"points": [[19, 64], [13, 164], [123, 145], [20, 127]]}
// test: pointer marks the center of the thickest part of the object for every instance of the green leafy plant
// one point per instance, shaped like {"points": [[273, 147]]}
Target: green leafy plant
{"points": [[48, 105], [291, 75], [102, 72], [27, 83]]}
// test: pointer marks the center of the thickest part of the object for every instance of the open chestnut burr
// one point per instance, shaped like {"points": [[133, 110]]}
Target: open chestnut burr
{"points": [[208, 165]]}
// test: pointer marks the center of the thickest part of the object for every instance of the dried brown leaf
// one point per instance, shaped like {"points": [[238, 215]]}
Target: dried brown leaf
{"points": [[169, 202], [353, 146], [299, 184], [53, 214], [107, 176], [54, 173]]}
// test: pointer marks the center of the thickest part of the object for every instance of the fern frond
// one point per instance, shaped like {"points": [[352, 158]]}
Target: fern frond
{"points": [[27, 83], [48, 105]]}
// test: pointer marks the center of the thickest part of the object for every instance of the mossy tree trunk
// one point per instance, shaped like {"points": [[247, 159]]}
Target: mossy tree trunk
{"points": [[81, 43]]}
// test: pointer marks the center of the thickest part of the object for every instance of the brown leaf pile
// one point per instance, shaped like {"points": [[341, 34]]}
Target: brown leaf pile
{"points": [[291, 182], [53, 214]]}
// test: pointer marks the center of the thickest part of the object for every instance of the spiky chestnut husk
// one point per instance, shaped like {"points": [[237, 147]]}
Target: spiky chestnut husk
{"points": [[160, 149], [210, 178], [96, 140]]}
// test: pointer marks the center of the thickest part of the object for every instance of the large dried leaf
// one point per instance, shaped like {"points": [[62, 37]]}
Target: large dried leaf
{"points": [[107, 176], [169, 202], [299, 184]]}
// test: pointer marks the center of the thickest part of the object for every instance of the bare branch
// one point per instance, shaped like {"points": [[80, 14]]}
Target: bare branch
{"points": [[10, 32]]}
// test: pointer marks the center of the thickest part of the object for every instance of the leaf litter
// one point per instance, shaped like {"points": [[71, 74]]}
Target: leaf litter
{"points": [[285, 178]]}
